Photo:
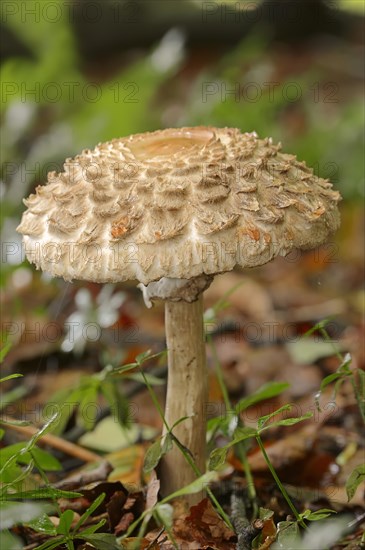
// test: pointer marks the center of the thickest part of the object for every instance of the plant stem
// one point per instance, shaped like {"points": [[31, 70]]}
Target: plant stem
{"points": [[241, 447], [278, 482], [241, 451]]}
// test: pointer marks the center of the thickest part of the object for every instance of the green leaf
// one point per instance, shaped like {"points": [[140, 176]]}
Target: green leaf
{"points": [[54, 543], [14, 422], [360, 391], [43, 525], [12, 513], [214, 423], [12, 451], [19, 453], [288, 534], [43, 492], [342, 372], [306, 352], [65, 402], [66, 519], [317, 327], [267, 391], [218, 423], [9, 541], [93, 528], [20, 475], [15, 394], [195, 487], [119, 404], [218, 456], [108, 435], [153, 380], [89, 511], [102, 541], [242, 433], [45, 429], [287, 421], [167, 443], [88, 406], [265, 513], [3, 353], [146, 355], [331, 378], [142, 357], [10, 472], [124, 368], [356, 477], [318, 514], [156, 451], [263, 419], [165, 514], [152, 456], [46, 460], [11, 376]]}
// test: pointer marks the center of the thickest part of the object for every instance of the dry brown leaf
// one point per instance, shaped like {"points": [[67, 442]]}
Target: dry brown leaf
{"points": [[128, 464], [153, 488], [285, 451], [204, 526]]}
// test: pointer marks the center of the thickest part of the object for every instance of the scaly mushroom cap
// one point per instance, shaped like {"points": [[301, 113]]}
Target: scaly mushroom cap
{"points": [[175, 203]]}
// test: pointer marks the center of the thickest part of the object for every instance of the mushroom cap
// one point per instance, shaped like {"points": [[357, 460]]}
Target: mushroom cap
{"points": [[175, 203]]}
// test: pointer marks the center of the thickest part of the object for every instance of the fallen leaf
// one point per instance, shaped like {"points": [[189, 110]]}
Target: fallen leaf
{"points": [[153, 488], [109, 435], [205, 526], [128, 464]]}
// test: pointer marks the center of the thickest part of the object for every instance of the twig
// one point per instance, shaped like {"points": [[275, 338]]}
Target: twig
{"points": [[54, 441], [356, 522], [100, 473], [245, 538], [154, 541], [246, 531]]}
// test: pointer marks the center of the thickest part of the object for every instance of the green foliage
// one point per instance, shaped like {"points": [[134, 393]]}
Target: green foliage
{"points": [[156, 451], [218, 456], [266, 391], [3, 353], [357, 378], [66, 533], [76, 112], [85, 397], [9, 542], [320, 535], [12, 513], [356, 477], [162, 512], [17, 462]]}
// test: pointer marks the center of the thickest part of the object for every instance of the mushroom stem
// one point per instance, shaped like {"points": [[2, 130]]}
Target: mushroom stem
{"points": [[187, 394]]}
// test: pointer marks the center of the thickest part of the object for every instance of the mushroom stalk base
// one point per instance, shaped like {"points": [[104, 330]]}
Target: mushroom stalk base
{"points": [[187, 394]]}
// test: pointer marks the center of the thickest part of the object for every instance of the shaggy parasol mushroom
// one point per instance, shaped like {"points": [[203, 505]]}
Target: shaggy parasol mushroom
{"points": [[171, 209]]}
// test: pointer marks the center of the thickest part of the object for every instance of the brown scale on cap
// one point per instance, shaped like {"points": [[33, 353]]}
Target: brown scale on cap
{"points": [[174, 195]]}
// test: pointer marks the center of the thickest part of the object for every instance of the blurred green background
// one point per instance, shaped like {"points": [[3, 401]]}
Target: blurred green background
{"points": [[75, 73]]}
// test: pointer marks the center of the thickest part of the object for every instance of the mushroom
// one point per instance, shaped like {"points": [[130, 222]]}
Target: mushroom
{"points": [[172, 208]]}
